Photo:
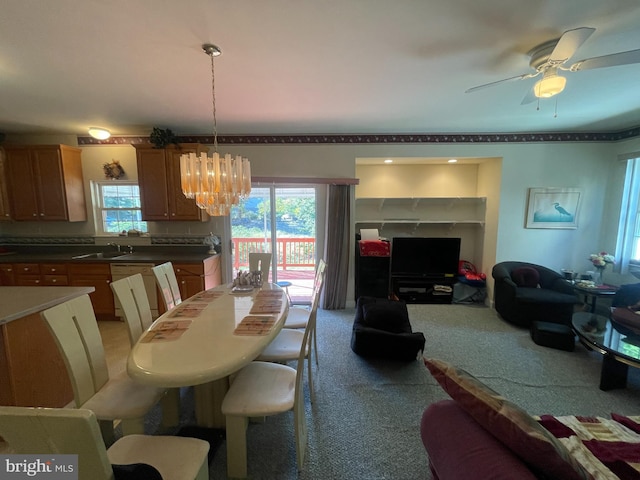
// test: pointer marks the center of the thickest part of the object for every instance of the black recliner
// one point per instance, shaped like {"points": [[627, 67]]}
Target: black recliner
{"points": [[381, 329], [525, 293]]}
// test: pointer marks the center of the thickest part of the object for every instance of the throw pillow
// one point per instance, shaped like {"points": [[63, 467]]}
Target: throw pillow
{"points": [[390, 316], [526, 277], [514, 427]]}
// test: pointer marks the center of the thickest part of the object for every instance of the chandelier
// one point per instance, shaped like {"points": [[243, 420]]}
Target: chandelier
{"points": [[215, 182]]}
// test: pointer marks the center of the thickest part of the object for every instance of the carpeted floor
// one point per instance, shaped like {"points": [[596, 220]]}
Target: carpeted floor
{"points": [[364, 423]]}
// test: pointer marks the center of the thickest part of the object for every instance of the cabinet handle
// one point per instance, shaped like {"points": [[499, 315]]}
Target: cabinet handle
{"points": [[26, 269], [166, 214], [35, 214], [42, 214], [108, 281], [173, 214], [54, 280], [53, 269], [37, 281]]}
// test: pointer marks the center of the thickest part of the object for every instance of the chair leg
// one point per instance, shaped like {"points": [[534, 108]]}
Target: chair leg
{"points": [[132, 426], [301, 434], [236, 446], [315, 344], [106, 429], [310, 378], [171, 408]]}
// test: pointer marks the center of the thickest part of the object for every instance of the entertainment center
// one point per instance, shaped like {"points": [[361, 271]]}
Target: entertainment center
{"points": [[418, 270]]}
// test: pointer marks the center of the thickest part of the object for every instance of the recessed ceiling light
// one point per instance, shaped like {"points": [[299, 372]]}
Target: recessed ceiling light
{"points": [[452, 160], [99, 133], [388, 160]]}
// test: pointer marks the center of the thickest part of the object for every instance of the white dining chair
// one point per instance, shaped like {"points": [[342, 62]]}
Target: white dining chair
{"points": [[75, 330], [60, 431], [262, 389], [168, 284], [298, 317], [132, 295], [260, 262]]}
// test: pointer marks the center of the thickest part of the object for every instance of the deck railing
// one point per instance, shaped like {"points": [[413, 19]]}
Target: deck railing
{"points": [[291, 252]]}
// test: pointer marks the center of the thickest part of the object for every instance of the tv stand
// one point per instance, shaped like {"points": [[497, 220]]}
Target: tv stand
{"points": [[431, 289]]}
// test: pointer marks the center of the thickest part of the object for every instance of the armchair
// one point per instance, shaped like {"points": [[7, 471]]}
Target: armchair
{"points": [[525, 293]]}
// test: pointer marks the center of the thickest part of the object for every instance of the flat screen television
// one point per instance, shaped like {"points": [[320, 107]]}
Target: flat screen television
{"points": [[425, 256]]}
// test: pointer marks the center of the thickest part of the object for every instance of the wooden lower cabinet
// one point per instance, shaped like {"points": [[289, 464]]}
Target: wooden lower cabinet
{"points": [[195, 277], [32, 371], [7, 275], [97, 275]]}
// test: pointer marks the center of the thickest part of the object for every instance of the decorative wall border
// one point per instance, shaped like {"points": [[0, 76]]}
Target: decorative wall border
{"points": [[375, 139], [47, 240]]}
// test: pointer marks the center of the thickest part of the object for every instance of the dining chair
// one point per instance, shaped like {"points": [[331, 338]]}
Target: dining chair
{"points": [[262, 389], [75, 330], [261, 262], [168, 285], [63, 431], [288, 343], [298, 317], [132, 295]]}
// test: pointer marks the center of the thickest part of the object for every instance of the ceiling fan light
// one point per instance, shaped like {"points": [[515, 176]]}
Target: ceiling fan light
{"points": [[99, 133], [549, 86]]}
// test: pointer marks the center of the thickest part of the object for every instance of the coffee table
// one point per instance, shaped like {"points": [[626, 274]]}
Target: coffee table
{"points": [[619, 347], [591, 294]]}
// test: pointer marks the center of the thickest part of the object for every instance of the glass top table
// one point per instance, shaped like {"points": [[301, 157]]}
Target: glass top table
{"points": [[591, 294], [619, 346]]}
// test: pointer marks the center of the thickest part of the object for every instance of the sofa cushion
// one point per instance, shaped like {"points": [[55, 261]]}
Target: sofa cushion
{"points": [[543, 295], [514, 427], [525, 277], [391, 316]]}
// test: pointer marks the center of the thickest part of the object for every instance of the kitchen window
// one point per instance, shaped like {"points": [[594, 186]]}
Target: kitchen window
{"points": [[118, 208]]}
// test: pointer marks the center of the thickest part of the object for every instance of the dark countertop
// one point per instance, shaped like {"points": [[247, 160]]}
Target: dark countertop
{"points": [[155, 255]]}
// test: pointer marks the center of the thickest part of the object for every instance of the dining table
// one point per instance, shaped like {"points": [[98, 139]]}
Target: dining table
{"points": [[205, 339]]}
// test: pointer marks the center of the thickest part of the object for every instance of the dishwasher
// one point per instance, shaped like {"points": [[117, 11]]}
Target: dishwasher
{"points": [[124, 270]]}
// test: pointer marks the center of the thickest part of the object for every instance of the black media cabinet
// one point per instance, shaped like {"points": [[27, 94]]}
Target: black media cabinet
{"points": [[415, 289]]}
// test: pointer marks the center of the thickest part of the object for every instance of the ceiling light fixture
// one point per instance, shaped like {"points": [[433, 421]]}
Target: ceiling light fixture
{"points": [[99, 133], [550, 85], [215, 182]]}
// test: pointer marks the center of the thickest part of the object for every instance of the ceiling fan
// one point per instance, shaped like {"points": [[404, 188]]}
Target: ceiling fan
{"points": [[549, 58]]}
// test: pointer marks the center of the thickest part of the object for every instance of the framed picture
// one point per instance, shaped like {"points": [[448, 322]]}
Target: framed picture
{"points": [[553, 208]]}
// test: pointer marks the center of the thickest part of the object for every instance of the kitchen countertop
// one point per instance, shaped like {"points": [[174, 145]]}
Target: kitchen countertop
{"points": [[135, 257], [18, 302]]}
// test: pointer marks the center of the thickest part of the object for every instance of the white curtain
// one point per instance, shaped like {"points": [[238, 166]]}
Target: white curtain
{"points": [[627, 238]]}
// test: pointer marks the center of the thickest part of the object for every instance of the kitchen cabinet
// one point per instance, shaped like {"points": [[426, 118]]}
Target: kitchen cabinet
{"points": [[45, 183], [7, 276], [98, 276], [5, 213], [35, 274], [161, 196]]}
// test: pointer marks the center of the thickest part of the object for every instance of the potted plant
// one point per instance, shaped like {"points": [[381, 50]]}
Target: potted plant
{"points": [[161, 138]]}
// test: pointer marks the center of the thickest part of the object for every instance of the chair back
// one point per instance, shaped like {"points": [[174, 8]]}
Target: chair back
{"points": [[168, 284], [56, 431], [132, 296], [261, 262], [318, 281], [75, 330]]}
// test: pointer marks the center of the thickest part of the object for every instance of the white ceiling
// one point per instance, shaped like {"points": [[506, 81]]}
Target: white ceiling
{"points": [[307, 67]]}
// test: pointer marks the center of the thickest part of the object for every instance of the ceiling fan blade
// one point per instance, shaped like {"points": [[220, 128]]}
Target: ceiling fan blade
{"points": [[530, 97], [487, 85], [569, 42], [612, 60]]}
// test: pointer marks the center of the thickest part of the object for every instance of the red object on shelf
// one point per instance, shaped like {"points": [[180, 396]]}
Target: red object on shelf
{"points": [[374, 248]]}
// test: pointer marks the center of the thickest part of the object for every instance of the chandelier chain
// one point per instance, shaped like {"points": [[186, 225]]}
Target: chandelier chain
{"points": [[213, 103]]}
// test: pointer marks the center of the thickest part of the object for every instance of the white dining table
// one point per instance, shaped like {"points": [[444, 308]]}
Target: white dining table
{"points": [[207, 351]]}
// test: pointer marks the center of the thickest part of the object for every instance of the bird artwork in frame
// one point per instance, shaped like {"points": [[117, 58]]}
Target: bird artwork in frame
{"points": [[553, 208]]}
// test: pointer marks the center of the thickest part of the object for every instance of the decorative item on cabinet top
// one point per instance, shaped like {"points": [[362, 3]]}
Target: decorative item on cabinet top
{"points": [[421, 210]]}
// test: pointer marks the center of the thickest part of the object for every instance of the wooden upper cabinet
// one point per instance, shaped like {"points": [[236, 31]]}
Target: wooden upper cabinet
{"points": [[161, 194], [45, 183], [5, 213]]}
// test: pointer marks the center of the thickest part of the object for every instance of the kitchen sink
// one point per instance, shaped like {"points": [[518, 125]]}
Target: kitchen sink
{"points": [[99, 255]]}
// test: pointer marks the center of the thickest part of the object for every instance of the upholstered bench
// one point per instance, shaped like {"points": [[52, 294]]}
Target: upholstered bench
{"points": [[381, 328]]}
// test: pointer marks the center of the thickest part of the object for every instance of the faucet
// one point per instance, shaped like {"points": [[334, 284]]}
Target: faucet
{"points": [[116, 245], [130, 248]]}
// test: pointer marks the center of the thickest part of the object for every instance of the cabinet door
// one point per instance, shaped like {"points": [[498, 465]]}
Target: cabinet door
{"points": [[152, 178], [21, 184], [97, 275], [180, 207], [5, 213], [7, 277], [190, 278], [50, 191]]}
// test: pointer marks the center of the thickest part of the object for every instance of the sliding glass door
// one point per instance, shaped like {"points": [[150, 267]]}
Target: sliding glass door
{"points": [[281, 220]]}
